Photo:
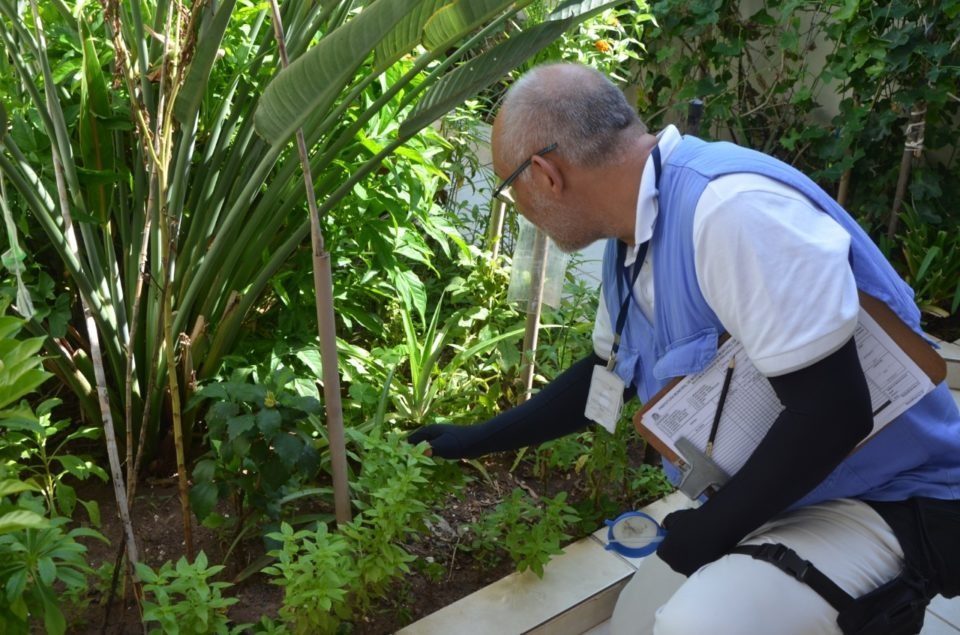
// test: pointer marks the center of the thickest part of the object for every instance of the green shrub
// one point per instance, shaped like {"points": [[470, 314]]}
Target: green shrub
{"points": [[764, 76], [329, 578], [37, 567], [36, 444], [260, 447], [182, 599], [528, 532], [316, 583]]}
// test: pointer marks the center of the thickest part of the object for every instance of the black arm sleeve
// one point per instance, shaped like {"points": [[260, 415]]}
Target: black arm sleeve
{"points": [[827, 412], [555, 411]]}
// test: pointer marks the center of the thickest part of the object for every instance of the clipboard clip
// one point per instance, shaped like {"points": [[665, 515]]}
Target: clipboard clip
{"points": [[700, 474]]}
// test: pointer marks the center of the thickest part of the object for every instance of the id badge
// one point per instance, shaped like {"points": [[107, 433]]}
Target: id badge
{"points": [[605, 399]]}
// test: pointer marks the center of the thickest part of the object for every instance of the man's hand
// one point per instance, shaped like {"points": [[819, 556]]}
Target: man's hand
{"points": [[690, 542], [553, 412], [826, 413], [445, 440]]}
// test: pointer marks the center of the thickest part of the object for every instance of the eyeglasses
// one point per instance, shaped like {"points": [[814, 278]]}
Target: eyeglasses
{"points": [[503, 192]]}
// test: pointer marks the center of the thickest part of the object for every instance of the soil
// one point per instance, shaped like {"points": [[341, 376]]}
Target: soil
{"points": [[947, 329], [442, 574]]}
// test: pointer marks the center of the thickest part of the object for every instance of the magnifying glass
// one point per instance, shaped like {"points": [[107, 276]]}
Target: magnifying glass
{"points": [[634, 534]]}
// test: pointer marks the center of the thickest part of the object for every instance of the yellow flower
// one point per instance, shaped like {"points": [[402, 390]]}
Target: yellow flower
{"points": [[603, 46], [270, 400]]}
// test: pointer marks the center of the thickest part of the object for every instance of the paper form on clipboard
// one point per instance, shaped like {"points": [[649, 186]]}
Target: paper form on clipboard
{"points": [[686, 409]]}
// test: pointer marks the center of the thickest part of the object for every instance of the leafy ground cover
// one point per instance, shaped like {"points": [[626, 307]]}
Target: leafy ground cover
{"points": [[456, 554], [149, 223]]}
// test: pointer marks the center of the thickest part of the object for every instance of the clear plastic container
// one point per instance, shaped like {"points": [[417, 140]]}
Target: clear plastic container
{"points": [[528, 259]]}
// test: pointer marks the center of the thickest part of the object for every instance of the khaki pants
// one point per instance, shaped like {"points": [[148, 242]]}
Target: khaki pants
{"points": [[737, 595]]}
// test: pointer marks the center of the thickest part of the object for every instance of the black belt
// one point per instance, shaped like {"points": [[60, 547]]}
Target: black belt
{"points": [[788, 561]]}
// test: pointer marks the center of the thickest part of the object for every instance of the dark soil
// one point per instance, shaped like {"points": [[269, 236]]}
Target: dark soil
{"points": [[947, 329], [443, 573]]}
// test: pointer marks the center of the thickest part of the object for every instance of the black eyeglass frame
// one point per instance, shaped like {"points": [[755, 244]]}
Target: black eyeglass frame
{"points": [[513, 175]]}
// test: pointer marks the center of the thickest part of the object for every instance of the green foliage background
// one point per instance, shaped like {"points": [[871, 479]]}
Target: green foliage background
{"points": [[425, 332]]}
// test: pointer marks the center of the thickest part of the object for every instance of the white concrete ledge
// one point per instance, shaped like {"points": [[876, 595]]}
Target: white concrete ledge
{"points": [[578, 591], [951, 354]]}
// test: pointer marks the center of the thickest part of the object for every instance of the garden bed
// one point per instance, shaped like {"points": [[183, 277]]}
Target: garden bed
{"points": [[445, 570]]}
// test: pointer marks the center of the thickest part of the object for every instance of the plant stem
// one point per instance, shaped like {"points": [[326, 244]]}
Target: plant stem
{"points": [[326, 325], [912, 147], [168, 243], [92, 333]]}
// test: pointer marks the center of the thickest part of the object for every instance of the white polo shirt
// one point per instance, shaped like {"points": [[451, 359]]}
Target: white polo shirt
{"points": [[772, 267]]}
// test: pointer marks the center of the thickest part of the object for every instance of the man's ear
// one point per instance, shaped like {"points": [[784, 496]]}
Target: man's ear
{"points": [[547, 174]]}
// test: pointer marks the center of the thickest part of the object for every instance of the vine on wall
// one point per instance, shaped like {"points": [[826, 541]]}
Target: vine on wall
{"points": [[767, 69]]}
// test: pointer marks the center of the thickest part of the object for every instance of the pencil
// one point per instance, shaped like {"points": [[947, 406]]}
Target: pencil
{"points": [[723, 397]]}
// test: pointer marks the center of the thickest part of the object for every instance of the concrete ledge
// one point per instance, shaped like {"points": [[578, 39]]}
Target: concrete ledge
{"points": [[522, 602], [578, 590], [951, 354]]}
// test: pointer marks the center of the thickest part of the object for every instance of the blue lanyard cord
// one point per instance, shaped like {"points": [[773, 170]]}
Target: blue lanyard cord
{"points": [[630, 277]]}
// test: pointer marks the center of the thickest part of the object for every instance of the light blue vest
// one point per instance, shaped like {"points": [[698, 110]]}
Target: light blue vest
{"points": [[918, 454]]}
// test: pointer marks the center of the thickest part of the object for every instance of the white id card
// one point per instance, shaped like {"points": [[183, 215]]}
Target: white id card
{"points": [[605, 400]]}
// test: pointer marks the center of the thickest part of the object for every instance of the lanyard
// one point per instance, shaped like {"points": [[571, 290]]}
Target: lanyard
{"points": [[630, 277]]}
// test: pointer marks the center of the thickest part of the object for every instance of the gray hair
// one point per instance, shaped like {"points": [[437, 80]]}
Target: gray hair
{"points": [[571, 105]]}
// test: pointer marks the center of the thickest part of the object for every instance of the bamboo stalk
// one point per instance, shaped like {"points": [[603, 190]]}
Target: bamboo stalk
{"points": [[92, 333], [326, 325], [843, 191], [168, 243], [132, 464], [912, 148], [496, 228]]}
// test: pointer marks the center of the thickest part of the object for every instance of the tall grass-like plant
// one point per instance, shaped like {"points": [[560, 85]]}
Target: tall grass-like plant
{"points": [[181, 221]]}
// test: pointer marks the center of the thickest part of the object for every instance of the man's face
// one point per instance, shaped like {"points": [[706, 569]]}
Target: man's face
{"points": [[554, 216], [545, 197]]}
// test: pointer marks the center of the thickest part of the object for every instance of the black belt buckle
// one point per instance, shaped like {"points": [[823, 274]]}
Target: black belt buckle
{"points": [[785, 559]]}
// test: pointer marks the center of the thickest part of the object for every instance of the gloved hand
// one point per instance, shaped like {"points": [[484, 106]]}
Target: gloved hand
{"points": [[445, 440], [692, 541], [553, 412], [826, 412]]}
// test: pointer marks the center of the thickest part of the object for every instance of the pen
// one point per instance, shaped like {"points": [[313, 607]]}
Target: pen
{"points": [[723, 397]]}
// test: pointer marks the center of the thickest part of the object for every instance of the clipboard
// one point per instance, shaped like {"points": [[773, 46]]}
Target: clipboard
{"points": [[915, 347]]}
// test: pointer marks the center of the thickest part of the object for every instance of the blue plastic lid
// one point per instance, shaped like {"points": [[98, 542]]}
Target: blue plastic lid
{"points": [[634, 534]]}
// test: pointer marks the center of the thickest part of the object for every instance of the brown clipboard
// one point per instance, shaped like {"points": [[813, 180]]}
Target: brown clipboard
{"points": [[916, 348]]}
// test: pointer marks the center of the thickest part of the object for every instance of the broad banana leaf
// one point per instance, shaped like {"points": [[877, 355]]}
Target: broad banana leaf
{"points": [[450, 23], [483, 70], [407, 34], [313, 82]]}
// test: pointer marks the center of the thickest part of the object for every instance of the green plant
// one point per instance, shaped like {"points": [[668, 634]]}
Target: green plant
{"points": [[601, 463], [433, 372], [931, 257], [530, 533], [329, 578], [182, 599], [14, 514], [21, 369], [260, 447], [185, 219], [36, 443], [310, 568], [766, 73], [611, 41], [429, 375], [647, 483], [570, 338], [36, 567], [393, 495]]}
